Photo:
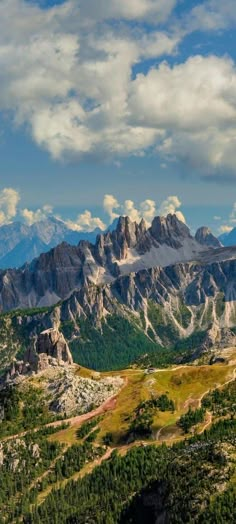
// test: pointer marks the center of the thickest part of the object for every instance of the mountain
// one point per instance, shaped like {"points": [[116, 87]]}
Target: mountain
{"points": [[20, 243], [11, 235], [130, 247], [74, 441], [115, 303], [228, 239], [27, 249], [205, 237]]}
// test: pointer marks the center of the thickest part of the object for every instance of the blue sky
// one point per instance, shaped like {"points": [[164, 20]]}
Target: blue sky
{"points": [[135, 100]]}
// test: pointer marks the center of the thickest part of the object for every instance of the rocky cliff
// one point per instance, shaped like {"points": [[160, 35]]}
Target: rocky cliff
{"points": [[49, 348]]}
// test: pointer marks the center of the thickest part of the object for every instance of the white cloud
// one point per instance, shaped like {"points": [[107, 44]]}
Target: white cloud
{"points": [[146, 209], [151, 10], [9, 199], [31, 217], [58, 77], [114, 209], [171, 206], [233, 213], [225, 229], [212, 15], [111, 207], [194, 104], [86, 222], [67, 75]]}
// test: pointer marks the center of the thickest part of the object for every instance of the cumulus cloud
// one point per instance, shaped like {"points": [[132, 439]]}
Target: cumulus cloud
{"points": [[171, 206], [9, 199], [86, 222], [194, 103], [147, 209], [111, 207], [30, 217], [233, 213], [129, 10], [67, 75], [225, 229], [58, 77]]}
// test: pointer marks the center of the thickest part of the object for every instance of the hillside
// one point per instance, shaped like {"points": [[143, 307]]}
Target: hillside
{"points": [[55, 472]]}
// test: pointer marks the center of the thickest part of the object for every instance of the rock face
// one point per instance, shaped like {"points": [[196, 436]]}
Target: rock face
{"points": [[205, 237], [48, 349], [130, 247], [52, 343]]}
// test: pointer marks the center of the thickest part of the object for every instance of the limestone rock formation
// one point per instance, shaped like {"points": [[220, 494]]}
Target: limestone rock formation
{"points": [[205, 237], [48, 349]]}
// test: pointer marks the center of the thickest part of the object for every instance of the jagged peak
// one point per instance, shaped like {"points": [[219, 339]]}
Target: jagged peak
{"points": [[169, 230]]}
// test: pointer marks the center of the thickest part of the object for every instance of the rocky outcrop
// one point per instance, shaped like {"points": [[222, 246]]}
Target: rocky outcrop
{"points": [[73, 394], [52, 344], [48, 349], [205, 237]]}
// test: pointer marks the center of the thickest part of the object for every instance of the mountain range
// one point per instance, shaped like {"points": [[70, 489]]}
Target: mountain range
{"points": [[20, 243], [129, 248], [135, 291]]}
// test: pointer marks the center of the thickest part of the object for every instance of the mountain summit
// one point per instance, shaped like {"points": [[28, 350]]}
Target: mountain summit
{"points": [[205, 237]]}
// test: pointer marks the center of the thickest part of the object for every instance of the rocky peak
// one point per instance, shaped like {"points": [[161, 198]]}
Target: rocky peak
{"points": [[169, 230], [52, 343], [205, 237], [48, 349]]}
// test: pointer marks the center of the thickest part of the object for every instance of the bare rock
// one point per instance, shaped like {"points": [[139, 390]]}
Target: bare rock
{"points": [[52, 343], [205, 237]]}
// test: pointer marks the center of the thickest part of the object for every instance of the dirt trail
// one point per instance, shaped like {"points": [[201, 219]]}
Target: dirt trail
{"points": [[192, 400], [107, 405], [79, 474], [50, 469], [207, 423]]}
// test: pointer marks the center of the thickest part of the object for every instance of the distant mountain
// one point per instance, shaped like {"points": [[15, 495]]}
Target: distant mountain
{"points": [[27, 249], [228, 239], [11, 235], [20, 243], [205, 237]]}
